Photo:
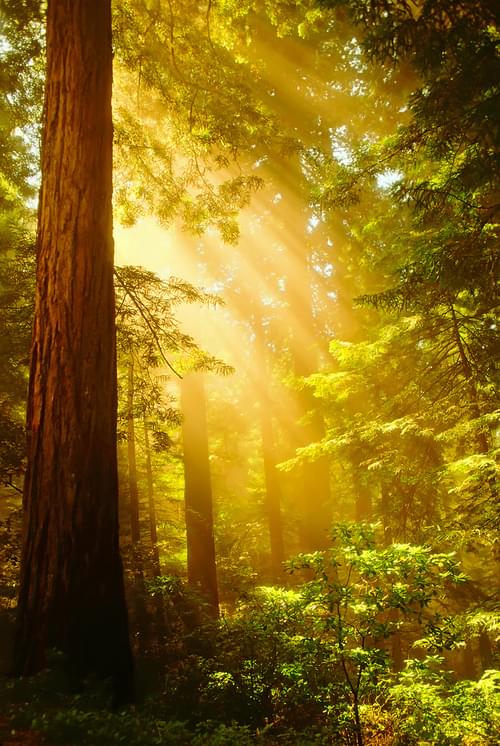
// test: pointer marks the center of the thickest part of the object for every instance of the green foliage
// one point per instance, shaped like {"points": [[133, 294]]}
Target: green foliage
{"points": [[317, 654], [191, 117], [403, 189], [293, 666], [21, 83], [426, 707], [37, 704], [21, 86], [362, 595], [149, 339]]}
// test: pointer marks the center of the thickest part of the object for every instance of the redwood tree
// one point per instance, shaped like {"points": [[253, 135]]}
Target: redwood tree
{"points": [[71, 595], [201, 565]]}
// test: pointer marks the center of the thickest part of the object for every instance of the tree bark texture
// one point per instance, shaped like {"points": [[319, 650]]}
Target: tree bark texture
{"points": [[71, 592], [202, 572]]}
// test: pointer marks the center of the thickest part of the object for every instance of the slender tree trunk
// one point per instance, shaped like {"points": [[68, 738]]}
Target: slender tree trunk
{"points": [[363, 500], [396, 644], [273, 493], [313, 493], [140, 615], [313, 488], [485, 651], [135, 529], [71, 592], [153, 533], [385, 509], [467, 660], [273, 496], [202, 571]]}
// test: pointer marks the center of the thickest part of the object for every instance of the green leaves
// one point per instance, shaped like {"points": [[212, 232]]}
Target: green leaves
{"points": [[427, 706]]}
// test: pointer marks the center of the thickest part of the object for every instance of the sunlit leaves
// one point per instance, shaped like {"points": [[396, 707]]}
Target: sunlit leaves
{"points": [[150, 337], [427, 705], [361, 595], [20, 83], [191, 117]]}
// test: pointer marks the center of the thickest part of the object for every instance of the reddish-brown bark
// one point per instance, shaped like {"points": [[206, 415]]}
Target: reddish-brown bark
{"points": [[71, 595]]}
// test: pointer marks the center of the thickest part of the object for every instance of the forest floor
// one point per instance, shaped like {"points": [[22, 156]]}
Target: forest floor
{"points": [[11, 737]]}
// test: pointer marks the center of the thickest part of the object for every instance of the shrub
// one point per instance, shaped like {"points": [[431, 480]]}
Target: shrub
{"points": [[426, 707]]}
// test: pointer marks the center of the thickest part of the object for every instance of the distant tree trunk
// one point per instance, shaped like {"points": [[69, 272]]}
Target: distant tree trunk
{"points": [[485, 651], [385, 509], [396, 644], [273, 496], [71, 592], [314, 496], [313, 492], [135, 530], [153, 533], [363, 501], [140, 616], [273, 493], [202, 571], [311, 486], [468, 667]]}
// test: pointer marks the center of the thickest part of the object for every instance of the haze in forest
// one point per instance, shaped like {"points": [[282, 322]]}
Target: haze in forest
{"points": [[249, 372]]}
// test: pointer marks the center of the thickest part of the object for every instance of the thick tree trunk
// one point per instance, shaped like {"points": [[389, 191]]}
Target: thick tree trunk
{"points": [[202, 572], [71, 593]]}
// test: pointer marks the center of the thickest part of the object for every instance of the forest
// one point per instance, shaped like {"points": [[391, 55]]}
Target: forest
{"points": [[249, 412]]}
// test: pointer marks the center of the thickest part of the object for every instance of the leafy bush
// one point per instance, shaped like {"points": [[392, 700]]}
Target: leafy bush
{"points": [[426, 707], [362, 595], [302, 666]]}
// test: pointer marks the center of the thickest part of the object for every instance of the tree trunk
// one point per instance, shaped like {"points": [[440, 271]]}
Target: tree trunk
{"points": [[202, 571], [362, 496], [485, 651], [273, 496], [273, 493], [140, 617], [71, 592], [133, 492], [385, 510], [313, 488], [153, 533]]}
